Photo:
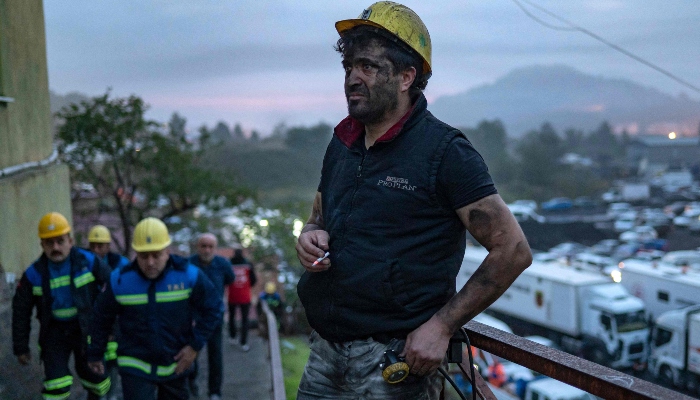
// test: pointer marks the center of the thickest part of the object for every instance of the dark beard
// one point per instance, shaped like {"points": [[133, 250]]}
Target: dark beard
{"points": [[377, 103]]}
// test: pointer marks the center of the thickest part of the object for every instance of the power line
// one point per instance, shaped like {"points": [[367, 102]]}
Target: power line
{"points": [[574, 27]]}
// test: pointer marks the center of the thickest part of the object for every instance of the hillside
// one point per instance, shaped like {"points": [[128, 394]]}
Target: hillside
{"points": [[565, 97]]}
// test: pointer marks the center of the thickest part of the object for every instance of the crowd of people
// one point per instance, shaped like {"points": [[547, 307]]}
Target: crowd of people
{"points": [[144, 320]]}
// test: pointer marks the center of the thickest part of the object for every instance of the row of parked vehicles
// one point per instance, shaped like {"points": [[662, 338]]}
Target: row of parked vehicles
{"points": [[632, 314]]}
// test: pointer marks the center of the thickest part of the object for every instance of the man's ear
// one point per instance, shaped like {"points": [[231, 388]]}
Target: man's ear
{"points": [[407, 77]]}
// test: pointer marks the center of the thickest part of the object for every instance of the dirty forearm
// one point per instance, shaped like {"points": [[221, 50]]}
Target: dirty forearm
{"points": [[495, 274], [315, 220]]}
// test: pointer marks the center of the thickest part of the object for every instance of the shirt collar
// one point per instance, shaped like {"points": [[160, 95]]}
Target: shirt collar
{"points": [[350, 130]]}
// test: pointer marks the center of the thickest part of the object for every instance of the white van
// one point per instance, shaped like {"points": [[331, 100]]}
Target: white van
{"points": [[552, 389]]}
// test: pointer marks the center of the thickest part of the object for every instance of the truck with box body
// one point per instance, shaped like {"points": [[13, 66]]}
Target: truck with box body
{"points": [[585, 313], [675, 348], [661, 286]]}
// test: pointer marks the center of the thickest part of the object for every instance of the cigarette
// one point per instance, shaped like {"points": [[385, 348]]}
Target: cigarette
{"points": [[321, 259]]}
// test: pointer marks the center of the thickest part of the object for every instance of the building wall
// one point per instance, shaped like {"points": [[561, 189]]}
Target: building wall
{"points": [[25, 135], [25, 124], [25, 198]]}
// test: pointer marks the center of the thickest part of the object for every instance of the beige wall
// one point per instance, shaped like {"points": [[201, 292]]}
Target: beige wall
{"points": [[25, 125], [24, 198]]}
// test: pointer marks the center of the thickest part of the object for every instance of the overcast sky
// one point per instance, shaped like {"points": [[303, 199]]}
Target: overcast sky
{"points": [[261, 62]]}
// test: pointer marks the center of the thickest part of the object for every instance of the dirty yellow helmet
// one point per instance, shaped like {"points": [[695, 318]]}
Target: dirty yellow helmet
{"points": [[150, 234], [99, 234], [53, 224], [270, 287], [400, 21]]}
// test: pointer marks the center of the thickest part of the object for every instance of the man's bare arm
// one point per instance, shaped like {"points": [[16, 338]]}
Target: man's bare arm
{"points": [[492, 224], [315, 220], [313, 241]]}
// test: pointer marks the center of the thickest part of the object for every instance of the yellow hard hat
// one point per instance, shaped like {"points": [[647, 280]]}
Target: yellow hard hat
{"points": [[400, 21], [150, 234], [270, 287], [99, 234], [53, 224]]}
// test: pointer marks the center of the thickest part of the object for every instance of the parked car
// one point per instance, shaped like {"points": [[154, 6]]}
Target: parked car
{"points": [[694, 227], [532, 204], [524, 213], [568, 249], [591, 262], [557, 203], [546, 257], [682, 257], [605, 247], [585, 202], [625, 221], [616, 209], [639, 234]]}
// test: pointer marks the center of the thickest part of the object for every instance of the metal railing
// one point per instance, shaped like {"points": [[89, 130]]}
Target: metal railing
{"points": [[270, 324], [596, 379]]}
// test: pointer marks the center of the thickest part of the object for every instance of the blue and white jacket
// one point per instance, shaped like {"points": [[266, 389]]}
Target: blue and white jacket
{"points": [[157, 317], [60, 292]]}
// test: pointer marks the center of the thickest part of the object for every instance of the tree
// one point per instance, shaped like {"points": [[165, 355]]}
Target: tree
{"points": [[238, 132], [489, 138], [130, 160], [539, 153], [221, 133]]}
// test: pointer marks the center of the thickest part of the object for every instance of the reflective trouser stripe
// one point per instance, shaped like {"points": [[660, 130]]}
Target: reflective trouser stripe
{"points": [[166, 371], [111, 353], [99, 389], [131, 362], [48, 396], [64, 313], [37, 291], [59, 383]]}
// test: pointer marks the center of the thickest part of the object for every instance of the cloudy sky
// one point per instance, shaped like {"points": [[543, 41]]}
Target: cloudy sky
{"points": [[263, 62]]}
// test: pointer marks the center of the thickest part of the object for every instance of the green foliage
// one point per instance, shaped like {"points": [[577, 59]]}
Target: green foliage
{"points": [[284, 168], [489, 138], [295, 353], [132, 161]]}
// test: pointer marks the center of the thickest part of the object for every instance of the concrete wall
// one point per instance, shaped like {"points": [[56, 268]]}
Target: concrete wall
{"points": [[25, 125], [24, 198]]}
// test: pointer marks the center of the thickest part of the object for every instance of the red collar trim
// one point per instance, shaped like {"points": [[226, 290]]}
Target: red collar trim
{"points": [[350, 130]]}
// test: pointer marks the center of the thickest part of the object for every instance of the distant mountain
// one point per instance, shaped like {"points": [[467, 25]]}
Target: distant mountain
{"points": [[565, 97]]}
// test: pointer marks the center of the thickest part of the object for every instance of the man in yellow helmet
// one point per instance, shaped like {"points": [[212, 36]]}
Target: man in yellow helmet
{"points": [[62, 284], [167, 310], [398, 191], [100, 242]]}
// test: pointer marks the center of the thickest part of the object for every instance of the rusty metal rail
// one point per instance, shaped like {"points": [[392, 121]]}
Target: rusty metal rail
{"points": [[591, 377]]}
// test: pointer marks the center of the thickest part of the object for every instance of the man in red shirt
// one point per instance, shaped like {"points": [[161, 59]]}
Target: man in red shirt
{"points": [[239, 296]]}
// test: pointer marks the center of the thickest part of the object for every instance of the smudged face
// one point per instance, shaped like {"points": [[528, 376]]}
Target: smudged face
{"points": [[371, 87]]}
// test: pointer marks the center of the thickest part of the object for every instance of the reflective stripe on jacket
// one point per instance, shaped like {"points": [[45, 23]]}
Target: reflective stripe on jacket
{"points": [[155, 317]]}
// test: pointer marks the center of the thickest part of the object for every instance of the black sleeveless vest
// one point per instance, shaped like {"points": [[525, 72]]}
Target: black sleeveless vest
{"points": [[394, 249]]}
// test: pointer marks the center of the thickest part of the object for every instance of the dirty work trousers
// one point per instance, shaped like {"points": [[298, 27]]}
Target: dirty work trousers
{"points": [[139, 388], [350, 370], [64, 338]]}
